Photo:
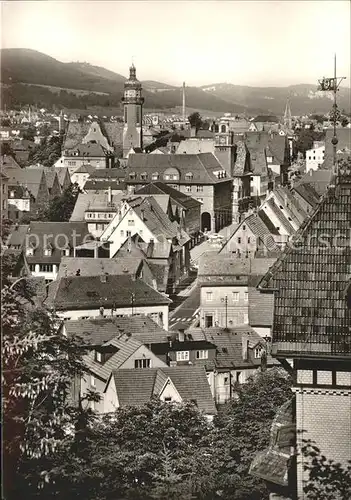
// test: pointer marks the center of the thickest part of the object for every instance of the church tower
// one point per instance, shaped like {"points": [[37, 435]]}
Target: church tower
{"points": [[133, 113], [287, 116]]}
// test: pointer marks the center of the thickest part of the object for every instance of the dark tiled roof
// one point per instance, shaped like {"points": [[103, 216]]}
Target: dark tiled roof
{"points": [[214, 265], [160, 188], [90, 150], [57, 235], [308, 193], [50, 173], [99, 266], [62, 172], [319, 179], [202, 166], [286, 197], [136, 387], [229, 343], [8, 162], [266, 119], [30, 178], [96, 331], [18, 235], [107, 173], [311, 315], [80, 292], [92, 185], [260, 308], [274, 463]]}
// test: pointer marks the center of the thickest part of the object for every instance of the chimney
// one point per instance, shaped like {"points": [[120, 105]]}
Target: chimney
{"points": [[181, 336], [245, 347], [142, 214], [109, 195]]}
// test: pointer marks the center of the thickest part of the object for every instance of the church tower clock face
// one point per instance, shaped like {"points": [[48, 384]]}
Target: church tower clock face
{"points": [[130, 93]]}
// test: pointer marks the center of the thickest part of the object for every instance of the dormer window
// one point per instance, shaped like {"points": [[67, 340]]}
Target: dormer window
{"points": [[12, 194], [132, 175], [48, 251], [269, 159], [189, 176], [143, 176], [30, 252], [155, 176], [258, 352], [98, 356]]}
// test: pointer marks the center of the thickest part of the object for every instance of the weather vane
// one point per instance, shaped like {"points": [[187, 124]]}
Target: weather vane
{"points": [[332, 85]]}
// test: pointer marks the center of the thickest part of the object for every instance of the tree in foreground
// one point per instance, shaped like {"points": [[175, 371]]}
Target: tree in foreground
{"points": [[39, 365], [195, 120]]}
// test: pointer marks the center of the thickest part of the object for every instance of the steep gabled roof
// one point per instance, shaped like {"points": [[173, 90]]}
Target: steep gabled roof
{"points": [[308, 193], [136, 387], [26, 177], [311, 315], [319, 179]]}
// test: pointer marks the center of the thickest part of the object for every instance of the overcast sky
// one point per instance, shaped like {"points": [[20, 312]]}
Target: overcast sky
{"points": [[201, 42]]}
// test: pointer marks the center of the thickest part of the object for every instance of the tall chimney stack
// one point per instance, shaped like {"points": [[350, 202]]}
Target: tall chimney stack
{"points": [[183, 102]]}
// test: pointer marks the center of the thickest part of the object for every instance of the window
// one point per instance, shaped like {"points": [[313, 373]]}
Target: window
{"points": [[269, 159], [138, 115], [46, 268], [122, 232], [98, 356], [236, 296], [244, 227], [128, 233], [72, 163], [239, 240], [32, 268], [199, 189], [142, 363], [246, 296], [258, 352], [201, 354], [155, 176], [209, 296], [168, 399], [226, 380], [238, 377], [92, 380], [188, 189], [208, 320], [143, 176], [246, 318], [48, 252], [188, 176], [182, 355], [131, 222]]}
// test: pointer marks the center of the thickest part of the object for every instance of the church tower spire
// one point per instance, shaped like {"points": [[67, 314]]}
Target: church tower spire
{"points": [[133, 113], [287, 115]]}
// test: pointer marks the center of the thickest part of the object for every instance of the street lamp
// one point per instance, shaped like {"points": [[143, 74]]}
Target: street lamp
{"points": [[225, 300]]}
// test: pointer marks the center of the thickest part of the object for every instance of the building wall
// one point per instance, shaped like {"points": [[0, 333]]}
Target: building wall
{"points": [[263, 331], [222, 383], [143, 353], [48, 275], [4, 199], [237, 310], [73, 163], [123, 311], [117, 232], [169, 391], [111, 402], [99, 386], [243, 241], [314, 158], [323, 414], [80, 178], [222, 204]]}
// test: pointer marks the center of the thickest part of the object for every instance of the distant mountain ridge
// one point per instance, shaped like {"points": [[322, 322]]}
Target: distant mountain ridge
{"points": [[26, 66]]}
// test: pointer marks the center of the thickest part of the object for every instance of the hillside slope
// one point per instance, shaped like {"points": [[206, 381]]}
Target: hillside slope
{"points": [[26, 66]]}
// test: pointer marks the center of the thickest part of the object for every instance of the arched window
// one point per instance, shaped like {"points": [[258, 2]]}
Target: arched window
{"points": [[171, 174], [155, 176], [138, 115], [223, 129], [143, 176], [189, 176]]}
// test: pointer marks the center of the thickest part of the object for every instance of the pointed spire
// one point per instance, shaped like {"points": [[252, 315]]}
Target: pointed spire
{"points": [[287, 115], [132, 72]]}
